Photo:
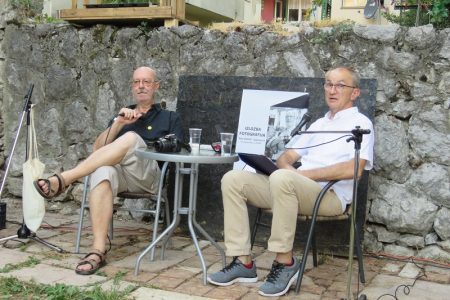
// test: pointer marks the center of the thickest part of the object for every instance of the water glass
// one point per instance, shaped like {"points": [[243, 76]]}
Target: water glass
{"points": [[226, 140], [194, 139]]}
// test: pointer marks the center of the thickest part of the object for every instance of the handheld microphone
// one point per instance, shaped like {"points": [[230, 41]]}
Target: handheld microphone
{"points": [[305, 119], [123, 115]]}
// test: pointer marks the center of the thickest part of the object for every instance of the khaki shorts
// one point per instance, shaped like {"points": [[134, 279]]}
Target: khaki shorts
{"points": [[133, 174]]}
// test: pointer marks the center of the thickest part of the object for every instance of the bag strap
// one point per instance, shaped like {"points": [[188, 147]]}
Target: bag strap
{"points": [[32, 141]]}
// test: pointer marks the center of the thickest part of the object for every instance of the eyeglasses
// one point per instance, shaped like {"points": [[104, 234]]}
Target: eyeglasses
{"points": [[145, 82], [339, 86]]}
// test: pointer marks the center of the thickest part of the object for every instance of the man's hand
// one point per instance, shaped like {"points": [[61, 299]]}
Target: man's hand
{"points": [[287, 159], [338, 171], [128, 116]]}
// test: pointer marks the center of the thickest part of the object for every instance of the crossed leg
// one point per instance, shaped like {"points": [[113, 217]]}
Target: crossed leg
{"points": [[107, 155]]}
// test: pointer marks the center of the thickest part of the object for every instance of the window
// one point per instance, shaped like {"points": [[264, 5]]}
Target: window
{"points": [[279, 15], [293, 15]]}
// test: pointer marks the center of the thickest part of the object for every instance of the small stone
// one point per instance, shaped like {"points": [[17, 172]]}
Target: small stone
{"points": [[409, 271]]}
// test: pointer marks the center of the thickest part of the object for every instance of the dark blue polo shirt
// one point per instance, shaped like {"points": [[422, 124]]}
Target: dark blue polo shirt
{"points": [[156, 123]]}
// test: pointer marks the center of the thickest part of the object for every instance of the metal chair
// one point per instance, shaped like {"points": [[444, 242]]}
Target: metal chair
{"points": [[160, 198], [311, 240]]}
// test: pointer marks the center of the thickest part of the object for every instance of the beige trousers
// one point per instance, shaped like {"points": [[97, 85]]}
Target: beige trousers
{"points": [[133, 174], [286, 192]]}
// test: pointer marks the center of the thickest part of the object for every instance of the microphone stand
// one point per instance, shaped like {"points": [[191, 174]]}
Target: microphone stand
{"points": [[24, 232], [357, 136]]}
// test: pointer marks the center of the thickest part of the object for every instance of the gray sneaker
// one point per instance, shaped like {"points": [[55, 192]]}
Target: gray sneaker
{"points": [[280, 279], [234, 272]]}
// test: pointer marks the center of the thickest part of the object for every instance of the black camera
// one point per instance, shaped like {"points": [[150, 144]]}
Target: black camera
{"points": [[168, 143]]}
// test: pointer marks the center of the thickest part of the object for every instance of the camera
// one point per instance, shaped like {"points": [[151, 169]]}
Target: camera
{"points": [[168, 143]]}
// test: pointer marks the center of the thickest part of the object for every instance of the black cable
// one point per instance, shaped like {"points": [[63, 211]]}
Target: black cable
{"points": [[15, 240], [110, 245], [109, 239], [300, 148], [107, 134], [406, 287]]}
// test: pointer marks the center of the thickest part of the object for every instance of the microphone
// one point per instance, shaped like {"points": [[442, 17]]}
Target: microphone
{"points": [[305, 119], [123, 115], [358, 130]]}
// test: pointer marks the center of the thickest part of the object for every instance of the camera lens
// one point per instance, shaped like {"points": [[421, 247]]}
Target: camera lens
{"points": [[161, 145]]}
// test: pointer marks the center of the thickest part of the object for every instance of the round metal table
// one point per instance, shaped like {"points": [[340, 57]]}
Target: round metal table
{"points": [[205, 156]]}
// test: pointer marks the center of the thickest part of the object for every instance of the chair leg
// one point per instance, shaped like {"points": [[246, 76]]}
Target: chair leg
{"points": [[255, 227], [314, 250], [82, 209], [359, 254], [310, 235]]}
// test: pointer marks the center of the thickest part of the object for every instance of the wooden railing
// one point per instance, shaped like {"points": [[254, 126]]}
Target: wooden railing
{"points": [[171, 11]]}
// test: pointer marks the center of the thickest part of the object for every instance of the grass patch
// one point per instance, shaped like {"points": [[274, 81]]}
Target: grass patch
{"points": [[119, 276], [12, 288], [30, 262]]}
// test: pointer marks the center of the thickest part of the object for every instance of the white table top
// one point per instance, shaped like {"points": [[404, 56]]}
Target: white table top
{"points": [[205, 156]]}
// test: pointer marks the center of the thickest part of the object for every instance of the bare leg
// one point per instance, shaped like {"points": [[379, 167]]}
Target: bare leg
{"points": [[284, 258], [245, 259], [108, 155], [100, 209]]}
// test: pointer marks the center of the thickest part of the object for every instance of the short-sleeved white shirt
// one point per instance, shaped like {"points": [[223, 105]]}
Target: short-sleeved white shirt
{"points": [[337, 151]]}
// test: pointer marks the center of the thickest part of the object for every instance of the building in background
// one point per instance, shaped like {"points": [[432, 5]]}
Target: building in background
{"points": [[359, 11], [202, 12], [285, 10], [205, 12]]}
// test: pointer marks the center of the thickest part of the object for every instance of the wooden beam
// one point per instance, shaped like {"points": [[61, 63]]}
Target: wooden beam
{"points": [[170, 22], [180, 9], [74, 4], [116, 13]]}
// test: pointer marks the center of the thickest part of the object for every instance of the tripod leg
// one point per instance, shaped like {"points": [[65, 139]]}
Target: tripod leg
{"points": [[34, 237], [8, 238]]}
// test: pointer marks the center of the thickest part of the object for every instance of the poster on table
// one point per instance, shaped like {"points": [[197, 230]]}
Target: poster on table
{"points": [[266, 120]]}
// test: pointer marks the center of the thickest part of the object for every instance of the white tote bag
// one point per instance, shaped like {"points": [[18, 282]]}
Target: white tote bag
{"points": [[33, 202]]}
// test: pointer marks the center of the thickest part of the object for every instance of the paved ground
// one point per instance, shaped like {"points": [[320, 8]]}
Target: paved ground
{"points": [[179, 275]]}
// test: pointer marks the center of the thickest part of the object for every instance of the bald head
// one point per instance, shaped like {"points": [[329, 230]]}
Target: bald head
{"points": [[147, 71]]}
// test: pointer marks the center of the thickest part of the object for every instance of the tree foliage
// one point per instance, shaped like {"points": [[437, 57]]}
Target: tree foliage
{"points": [[434, 12]]}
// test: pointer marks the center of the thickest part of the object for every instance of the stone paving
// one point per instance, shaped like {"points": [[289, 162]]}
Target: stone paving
{"points": [[179, 275]]}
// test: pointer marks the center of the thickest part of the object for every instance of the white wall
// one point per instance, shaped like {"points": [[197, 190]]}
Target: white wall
{"points": [[230, 8], [252, 11], [51, 7]]}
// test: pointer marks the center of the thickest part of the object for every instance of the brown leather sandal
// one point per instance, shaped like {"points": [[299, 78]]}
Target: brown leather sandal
{"points": [[95, 265], [51, 193]]}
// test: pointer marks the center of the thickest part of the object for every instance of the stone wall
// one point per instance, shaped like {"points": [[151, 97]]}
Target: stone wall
{"points": [[81, 78]]}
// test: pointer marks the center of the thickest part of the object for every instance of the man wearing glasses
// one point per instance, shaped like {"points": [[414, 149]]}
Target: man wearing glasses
{"points": [[113, 166], [289, 191]]}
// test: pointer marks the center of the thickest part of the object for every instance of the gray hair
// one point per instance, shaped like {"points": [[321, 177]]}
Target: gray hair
{"points": [[355, 76]]}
